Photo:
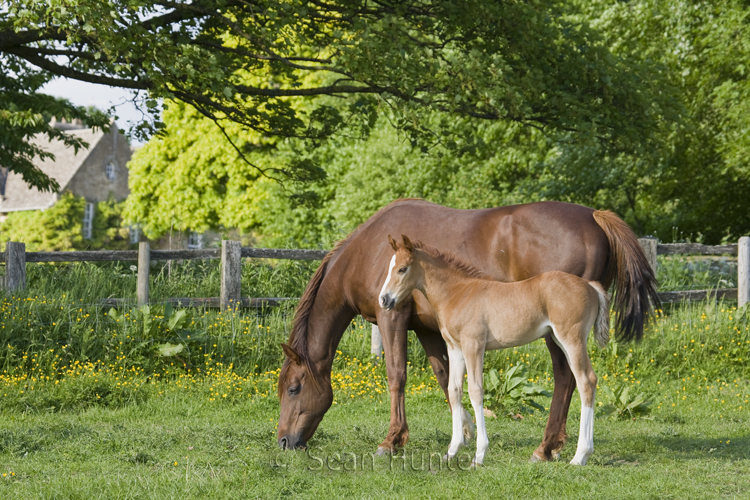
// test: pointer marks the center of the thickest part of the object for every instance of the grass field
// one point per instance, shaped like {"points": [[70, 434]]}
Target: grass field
{"points": [[91, 408]]}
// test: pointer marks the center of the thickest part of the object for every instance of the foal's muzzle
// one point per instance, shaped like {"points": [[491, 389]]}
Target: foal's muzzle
{"points": [[387, 301]]}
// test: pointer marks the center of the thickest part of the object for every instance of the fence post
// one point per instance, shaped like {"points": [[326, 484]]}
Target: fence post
{"points": [[231, 273], [15, 266], [743, 271], [376, 344], [144, 262], [649, 248]]}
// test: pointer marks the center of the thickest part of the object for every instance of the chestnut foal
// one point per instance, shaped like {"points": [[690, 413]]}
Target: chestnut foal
{"points": [[475, 314]]}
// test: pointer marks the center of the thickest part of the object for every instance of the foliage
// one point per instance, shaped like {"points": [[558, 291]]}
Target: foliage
{"points": [[25, 115], [250, 64], [697, 174], [512, 391], [57, 228], [621, 404], [60, 227], [191, 178]]}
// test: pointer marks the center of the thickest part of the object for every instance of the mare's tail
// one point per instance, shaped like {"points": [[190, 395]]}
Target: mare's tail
{"points": [[635, 281], [601, 325]]}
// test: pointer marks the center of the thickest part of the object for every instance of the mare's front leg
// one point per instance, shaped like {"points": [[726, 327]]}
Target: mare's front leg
{"points": [[393, 325], [565, 383], [455, 391]]}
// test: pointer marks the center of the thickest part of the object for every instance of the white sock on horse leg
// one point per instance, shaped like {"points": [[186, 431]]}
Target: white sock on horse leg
{"points": [[585, 437]]}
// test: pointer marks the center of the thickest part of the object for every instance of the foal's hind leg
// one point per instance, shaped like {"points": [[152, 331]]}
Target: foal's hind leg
{"points": [[574, 345]]}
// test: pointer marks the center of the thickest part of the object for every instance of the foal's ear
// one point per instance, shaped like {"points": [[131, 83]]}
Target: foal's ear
{"points": [[292, 354], [392, 242], [407, 243]]}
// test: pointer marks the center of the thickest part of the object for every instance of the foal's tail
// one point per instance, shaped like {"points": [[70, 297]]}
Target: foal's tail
{"points": [[635, 281], [601, 326]]}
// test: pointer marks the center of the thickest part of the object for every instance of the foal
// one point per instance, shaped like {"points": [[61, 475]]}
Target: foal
{"points": [[475, 313]]}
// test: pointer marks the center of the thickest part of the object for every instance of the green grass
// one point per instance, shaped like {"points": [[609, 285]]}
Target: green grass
{"points": [[91, 410], [181, 445]]}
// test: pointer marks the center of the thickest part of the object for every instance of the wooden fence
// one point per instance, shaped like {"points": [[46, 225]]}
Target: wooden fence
{"points": [[231, 253]]}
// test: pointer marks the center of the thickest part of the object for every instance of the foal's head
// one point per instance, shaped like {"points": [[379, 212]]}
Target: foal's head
{"points": [[403, 276]]}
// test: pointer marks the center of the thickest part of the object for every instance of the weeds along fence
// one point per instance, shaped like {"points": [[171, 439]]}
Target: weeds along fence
{"points": [[142, 322], [108, 313]]}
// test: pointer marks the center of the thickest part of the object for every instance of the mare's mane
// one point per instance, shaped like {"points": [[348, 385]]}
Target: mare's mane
{"points": [[298, 335], [452, 261]]}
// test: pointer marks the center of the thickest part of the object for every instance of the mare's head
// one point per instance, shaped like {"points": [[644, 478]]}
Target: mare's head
{"points": [[303, 401], [403, 275]]}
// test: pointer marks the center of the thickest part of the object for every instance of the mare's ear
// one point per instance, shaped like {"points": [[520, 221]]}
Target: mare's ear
{"points": [[392, 242], [407, 243], [292, 354]]}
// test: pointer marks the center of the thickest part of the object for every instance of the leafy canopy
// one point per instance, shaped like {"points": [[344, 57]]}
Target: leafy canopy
{"points": [[248, 62]]}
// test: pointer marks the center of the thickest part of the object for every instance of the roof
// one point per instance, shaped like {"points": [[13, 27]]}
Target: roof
{"points": [[19, 196]]}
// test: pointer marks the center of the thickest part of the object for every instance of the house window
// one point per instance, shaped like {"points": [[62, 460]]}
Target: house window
{"points": [[195, 241], [134, 234], [110, 170], [88, 220]]}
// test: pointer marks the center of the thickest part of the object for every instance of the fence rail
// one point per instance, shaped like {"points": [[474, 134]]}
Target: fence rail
{"points": [[231, 253], [209, 253]]}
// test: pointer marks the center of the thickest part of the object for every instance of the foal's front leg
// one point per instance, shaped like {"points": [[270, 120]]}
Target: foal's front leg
{"points": [[455, 391], [474, 356]]}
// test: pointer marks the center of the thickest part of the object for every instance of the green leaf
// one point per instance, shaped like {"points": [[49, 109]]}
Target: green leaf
{"points": [[167, 350]]}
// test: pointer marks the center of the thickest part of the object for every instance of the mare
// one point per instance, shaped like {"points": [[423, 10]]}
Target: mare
{"points": [[476, 313], [507, 243]]}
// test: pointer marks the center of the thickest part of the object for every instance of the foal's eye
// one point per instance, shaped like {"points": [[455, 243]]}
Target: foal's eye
{"points": [[294, 390], [402, 270]]}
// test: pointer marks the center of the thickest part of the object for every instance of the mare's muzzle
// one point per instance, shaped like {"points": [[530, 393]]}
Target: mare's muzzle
{"points": [[291, 443]]}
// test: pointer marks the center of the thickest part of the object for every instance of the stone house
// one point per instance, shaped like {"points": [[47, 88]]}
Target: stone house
{"points": [[95, 173]]}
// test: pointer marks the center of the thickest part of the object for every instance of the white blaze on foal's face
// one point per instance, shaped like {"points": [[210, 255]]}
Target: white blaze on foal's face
{"points": [[397, 283]]}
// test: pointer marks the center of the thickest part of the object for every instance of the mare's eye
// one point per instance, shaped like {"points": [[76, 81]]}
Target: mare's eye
{"points": [[294, 390], [402, 270]]}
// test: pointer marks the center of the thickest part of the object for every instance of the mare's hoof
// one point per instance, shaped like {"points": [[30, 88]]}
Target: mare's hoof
{"points": [[536, 458], [383, 451]]}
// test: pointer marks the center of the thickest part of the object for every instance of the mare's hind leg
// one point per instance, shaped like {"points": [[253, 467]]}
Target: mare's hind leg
{"points": [[437, 352], [574, 345], [565, 383]]}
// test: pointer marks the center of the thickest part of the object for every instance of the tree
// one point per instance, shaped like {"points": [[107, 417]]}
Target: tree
{"points": [[697, 175], [693, 175], [250, 62], [60, 227]]}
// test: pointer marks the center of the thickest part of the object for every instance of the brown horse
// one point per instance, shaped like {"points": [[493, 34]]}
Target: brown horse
{"points": [[476, 313], [508, 244]]}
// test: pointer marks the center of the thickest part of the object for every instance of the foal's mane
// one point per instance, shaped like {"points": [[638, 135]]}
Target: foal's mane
{"points": [[452, 261]]}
